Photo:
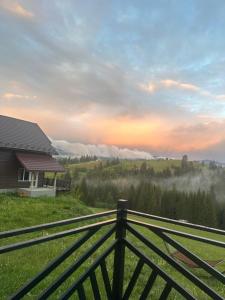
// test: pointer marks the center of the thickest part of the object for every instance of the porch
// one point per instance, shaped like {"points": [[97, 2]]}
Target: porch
{"points": [[37, 192], [33, 170], [51, 187]]}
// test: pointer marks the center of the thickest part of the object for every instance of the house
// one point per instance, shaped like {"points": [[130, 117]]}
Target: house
{"points": [[25, 155]]}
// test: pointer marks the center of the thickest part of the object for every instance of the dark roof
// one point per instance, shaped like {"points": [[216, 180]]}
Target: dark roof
{"points": [[39, 162], [23, 135]]}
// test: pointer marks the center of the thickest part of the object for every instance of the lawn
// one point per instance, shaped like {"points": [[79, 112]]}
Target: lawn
{"points": [[19, 266]]}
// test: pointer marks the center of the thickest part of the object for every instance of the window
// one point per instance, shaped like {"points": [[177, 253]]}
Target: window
{"points": [[23, 175]]}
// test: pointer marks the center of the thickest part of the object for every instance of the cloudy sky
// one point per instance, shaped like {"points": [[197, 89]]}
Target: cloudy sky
{"points": [[141, 74]]}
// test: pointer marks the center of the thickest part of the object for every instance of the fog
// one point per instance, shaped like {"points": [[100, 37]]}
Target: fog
{"points": [[202, 180]]}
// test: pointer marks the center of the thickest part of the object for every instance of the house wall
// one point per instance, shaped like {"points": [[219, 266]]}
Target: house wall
{"points": [[9, 171]]}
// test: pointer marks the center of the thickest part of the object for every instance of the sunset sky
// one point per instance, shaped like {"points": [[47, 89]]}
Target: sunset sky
{"points": [[141, 74]]}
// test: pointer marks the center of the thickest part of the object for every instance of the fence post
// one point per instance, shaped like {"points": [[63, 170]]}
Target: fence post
{"points": [[119, 255]]}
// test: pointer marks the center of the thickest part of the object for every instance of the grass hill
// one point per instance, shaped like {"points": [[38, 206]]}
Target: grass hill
{"points": [[18, 212], [157, 165]]}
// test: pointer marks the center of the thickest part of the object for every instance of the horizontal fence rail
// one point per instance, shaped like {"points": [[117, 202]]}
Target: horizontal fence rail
{"points": [[176, 222], [61, 184], [179, 233], [52, 237], [125, 230], [12, 233]]}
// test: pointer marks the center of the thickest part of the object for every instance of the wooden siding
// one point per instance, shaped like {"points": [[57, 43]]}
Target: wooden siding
{"points": [[9, 171]]}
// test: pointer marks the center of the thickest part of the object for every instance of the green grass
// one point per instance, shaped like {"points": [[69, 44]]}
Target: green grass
{"points": [[157, 165], [19, 266], [89, 165], [20, 212], [126, 165]]}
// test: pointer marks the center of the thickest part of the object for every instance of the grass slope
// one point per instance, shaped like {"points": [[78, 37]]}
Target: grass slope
{"points": [[19, 266], [157, 165]]}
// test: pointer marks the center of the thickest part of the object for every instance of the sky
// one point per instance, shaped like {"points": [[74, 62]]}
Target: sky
{"points": [[137, 74]]}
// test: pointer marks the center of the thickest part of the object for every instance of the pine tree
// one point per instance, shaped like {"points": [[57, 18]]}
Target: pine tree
{"points": [[143, 167], [131, 197], [184, 162], [83, 190]]}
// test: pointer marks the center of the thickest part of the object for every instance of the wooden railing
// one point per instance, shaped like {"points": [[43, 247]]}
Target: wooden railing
{"points": [[61, 184], [125, 226]]}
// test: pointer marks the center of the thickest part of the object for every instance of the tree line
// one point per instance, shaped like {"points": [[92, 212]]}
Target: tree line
{"points": [[103, 171], [198, 207], [77, 160]]}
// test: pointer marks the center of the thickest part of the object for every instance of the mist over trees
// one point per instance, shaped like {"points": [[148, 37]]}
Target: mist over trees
{"points": [[182, 190], [196, 207]]}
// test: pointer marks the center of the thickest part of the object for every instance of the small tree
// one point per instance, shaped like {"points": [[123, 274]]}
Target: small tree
{"points": [[143, 167], [83, 190], [67, 175], [184, 162]]}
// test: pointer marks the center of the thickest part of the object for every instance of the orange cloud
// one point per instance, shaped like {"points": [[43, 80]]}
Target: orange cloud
{"points": [[197, 137], [147, 132], [158, 134], [152, 87], [173, 83], [132, 132], [15, 8], [11, 96]]}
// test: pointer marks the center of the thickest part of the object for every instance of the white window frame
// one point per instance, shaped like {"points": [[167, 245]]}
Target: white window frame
{"points": [[34, 179], [23, 172]]}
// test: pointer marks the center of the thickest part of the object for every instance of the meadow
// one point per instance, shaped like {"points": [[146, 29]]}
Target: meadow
{"points": [[19, 266], [157, 165]]}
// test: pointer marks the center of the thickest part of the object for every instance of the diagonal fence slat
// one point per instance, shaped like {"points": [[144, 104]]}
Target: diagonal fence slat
{"points": [[133, 279], [52, 265], [160, 272], [106, 280], [94, 285], [81, 292], [69, 292], [165, 292], [203, 264], [148, 285], [51, 289], [210, 292]]}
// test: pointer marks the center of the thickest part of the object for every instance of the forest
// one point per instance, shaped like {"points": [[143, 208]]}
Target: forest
{"points": [[177, 189]]}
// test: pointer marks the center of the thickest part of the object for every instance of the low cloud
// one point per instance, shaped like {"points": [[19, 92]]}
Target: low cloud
{"points": [[106, 151]]}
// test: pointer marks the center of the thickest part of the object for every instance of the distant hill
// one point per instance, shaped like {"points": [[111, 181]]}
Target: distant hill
{"points": [[66, 149], [216, 163]]}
